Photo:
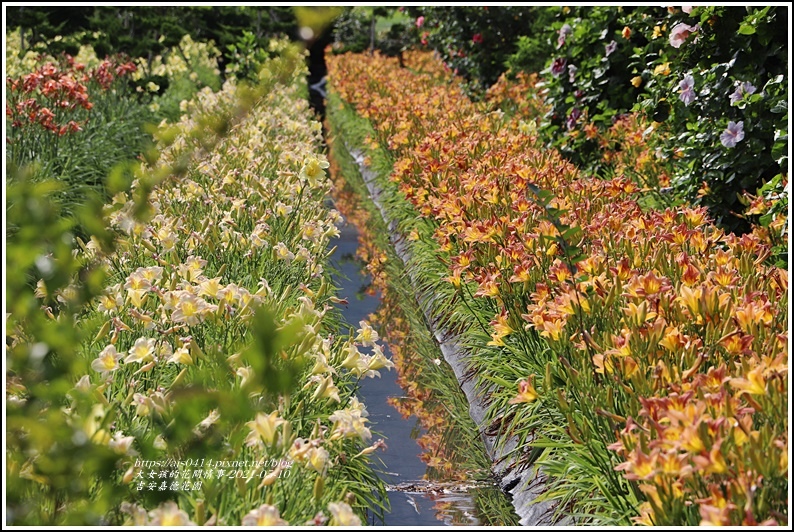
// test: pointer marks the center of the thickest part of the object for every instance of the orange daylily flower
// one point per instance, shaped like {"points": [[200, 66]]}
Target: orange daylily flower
{"points": [[526, 392], [638, 314], [752, 313], [691, 275], [629, 367], [553, 328], [640, 466], [690, 299], [754, 384], [713, 463], [674, 464], [603, 364], [691, 441], [651, 284], [673, 339], [521, 273], [737, 343], [489, 288]]}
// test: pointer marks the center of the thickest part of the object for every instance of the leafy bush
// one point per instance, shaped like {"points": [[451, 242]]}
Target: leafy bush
{"points": [[692, 82], [380, 28], [723, 95], [352, 31], [587, 81], [146, 31], [475, 42]]}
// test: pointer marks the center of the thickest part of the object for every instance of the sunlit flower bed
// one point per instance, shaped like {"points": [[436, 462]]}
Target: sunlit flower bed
{"points": [[216, 387], [640, 356]]}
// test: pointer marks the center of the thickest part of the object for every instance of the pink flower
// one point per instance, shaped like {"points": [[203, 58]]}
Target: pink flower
{"points": [[558, 66], [420, 21], [572, 73], [570, 123], [742, 89], [733, 134], [477, 38], [565, 31], [686, 9], [680, 33], [687, 90]]}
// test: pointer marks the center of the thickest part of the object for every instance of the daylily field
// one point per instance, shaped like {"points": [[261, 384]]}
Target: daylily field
{"points": [[176, 353]]}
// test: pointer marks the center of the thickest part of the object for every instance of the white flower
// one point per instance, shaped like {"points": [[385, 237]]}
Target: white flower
{"points": [[326, 389], [120, 443], [263, 429], [311, 231], [142, 351], [313, 170], [107, 361], [208, 421], [379, 360], [265, 515], [210, 287], [283, 210], [192, 268], [352, 358], [190, 309], [317, 458], [181, 356], [342, 515], [349, 423], [283, 253], [169, 514], [367, 336]]}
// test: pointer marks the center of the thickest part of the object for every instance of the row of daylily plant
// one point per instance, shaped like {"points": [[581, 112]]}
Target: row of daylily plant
{"points": [[217, 381], [639, 355]]}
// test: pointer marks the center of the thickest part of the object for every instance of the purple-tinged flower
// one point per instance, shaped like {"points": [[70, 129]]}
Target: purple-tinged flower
{"points": [[572, 73], [680, 33], [686, 9], [558, 66], [733, 134], [611, 47], [742, 89], [570, 123], [687, 90], [563, 34]]}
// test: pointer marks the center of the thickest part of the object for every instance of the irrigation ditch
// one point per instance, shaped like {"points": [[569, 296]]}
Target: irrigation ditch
{"points": [[517, 486], [419, 495]]}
